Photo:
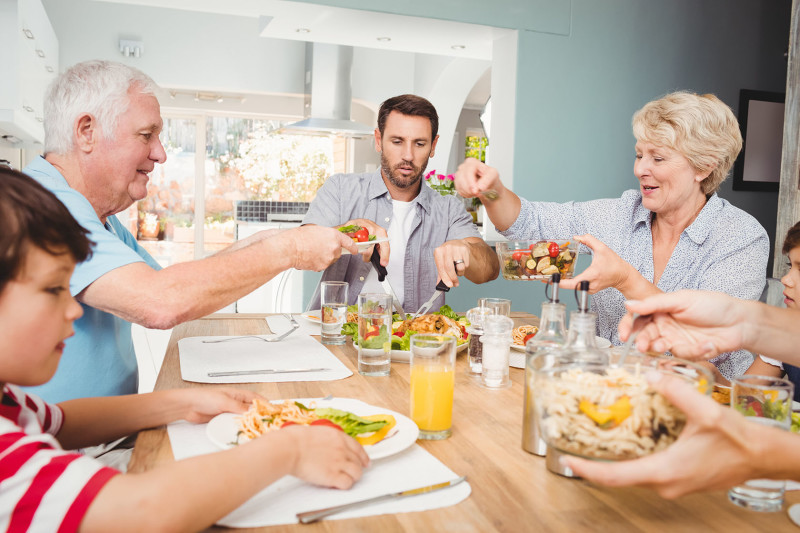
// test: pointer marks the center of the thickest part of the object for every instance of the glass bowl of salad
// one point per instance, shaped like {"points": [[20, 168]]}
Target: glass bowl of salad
{"points": [[607, 411], [538, 260]]}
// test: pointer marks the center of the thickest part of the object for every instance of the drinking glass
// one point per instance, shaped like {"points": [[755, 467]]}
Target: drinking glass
{"points": [[501, 306], [433, 365], [496, 342], [333, 297], [767, 401], [374, 334]]}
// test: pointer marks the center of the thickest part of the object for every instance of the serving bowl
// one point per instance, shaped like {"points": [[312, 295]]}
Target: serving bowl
{"points": [[524, 260], [609, 412]]}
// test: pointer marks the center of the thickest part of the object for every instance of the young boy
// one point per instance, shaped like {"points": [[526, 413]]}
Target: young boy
{"points": [[45, 488]]}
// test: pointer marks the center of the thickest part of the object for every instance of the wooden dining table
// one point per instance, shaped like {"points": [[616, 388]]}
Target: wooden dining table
{"points": [[512, 490]]}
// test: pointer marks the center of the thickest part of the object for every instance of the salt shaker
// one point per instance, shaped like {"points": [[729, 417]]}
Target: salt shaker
{"points": [[496, 342]]}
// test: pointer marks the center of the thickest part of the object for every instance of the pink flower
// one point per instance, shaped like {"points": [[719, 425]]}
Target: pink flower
{"points": [[429, 174], [451, 177], [440, 176]]}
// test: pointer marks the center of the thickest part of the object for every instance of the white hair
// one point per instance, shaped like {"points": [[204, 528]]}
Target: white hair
{"points": [[99, 88]]}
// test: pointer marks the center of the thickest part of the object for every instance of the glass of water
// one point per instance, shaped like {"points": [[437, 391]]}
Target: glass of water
{"points": [[764, 400], [500, 306], [333, 297], [374, 334]]}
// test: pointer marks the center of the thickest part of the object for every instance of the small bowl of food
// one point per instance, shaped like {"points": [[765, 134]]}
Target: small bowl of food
{"points": [[538, 260], [609, 412]]}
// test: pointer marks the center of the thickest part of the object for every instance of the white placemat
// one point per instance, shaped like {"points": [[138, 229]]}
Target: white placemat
{"points": [[280, 502], [295, 351], [278, 324]]}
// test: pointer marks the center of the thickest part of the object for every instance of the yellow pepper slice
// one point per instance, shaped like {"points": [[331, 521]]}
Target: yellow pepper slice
{"points": [[609, 416], [376, 436]]}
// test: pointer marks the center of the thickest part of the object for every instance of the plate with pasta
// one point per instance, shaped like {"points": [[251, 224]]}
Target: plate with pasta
{"points": [[227, 430], [519, 334]]}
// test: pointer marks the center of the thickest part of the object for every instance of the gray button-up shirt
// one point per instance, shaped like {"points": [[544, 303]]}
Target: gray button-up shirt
{"points": [[724, 249], [437, 219]]}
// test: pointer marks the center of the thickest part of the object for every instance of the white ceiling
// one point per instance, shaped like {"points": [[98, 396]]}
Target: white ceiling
{"points": [[282, 19]]}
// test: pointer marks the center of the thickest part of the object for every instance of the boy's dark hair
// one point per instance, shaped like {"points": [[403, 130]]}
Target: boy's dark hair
{"points": [[409, 104], [32, 215], [792, 240]]}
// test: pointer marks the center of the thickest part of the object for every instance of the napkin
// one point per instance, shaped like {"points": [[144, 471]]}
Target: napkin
{"points": [[280, 502], [279, 323], [197, 359]]}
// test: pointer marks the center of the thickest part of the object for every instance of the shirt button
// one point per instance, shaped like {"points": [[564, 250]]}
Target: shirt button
{"points": [[386, 219], [361, 278]]}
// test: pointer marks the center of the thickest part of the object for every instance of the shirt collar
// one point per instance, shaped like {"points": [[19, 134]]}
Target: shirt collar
{"points": [[377, 188], [698, 230]]}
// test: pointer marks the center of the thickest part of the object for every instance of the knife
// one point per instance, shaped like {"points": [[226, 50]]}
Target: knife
{"points": [[375, 259], [312, 516], [265, 371]]}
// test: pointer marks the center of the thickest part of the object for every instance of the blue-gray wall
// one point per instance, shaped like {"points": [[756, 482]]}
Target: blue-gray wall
{"points": [[590, 64]]}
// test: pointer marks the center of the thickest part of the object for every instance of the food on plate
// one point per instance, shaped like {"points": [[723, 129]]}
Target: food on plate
{"points": [[433, 323], [523, 334], [605, 414], [265, 416], [537, 260], [357, 233], [795, 423]]}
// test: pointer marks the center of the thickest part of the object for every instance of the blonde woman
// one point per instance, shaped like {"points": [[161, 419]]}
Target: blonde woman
{"points": [[672, 232]]}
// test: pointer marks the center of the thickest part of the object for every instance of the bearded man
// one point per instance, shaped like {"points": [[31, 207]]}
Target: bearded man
{"points": [[431, 237]]}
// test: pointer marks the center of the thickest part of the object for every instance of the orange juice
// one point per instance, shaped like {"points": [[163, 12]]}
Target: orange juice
{"points": [[432, 396]]}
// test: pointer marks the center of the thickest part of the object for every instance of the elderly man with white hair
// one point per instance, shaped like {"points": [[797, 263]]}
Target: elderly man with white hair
{"points": [[102, 123]]}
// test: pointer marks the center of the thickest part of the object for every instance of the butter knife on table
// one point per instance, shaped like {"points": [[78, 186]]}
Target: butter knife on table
{"points": [[265, 371], [375, 259], [312, 516]]}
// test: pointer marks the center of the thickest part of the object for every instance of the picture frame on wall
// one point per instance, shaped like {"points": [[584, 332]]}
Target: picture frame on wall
{"points": [[758, 167]]}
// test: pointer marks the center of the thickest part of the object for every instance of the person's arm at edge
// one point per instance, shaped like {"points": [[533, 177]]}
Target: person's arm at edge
{"points": [[191, 494], [91, 421]]}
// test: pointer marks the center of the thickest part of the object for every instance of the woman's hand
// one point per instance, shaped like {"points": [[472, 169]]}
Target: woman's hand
{"points": [[473, 177], [690, 324], [715, 450], [204, 404], [607, 268]]}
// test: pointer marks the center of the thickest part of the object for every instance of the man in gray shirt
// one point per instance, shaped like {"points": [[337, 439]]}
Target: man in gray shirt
{"points": [[431, 236]]}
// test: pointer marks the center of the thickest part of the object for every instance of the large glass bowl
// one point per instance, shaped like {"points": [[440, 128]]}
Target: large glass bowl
{"points": [[523, 260], [609, 412]]}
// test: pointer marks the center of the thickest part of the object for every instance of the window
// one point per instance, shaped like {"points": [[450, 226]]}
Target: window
{"points": [[213, 161], [475, 145]]}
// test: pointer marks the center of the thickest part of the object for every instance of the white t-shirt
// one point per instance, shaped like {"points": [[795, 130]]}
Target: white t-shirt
{"points": [[399, 232]]}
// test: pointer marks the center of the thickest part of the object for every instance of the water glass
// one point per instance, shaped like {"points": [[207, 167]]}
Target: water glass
{"points": [[501, 306], [374, 334], [496, 342], [476, 317], [767, 401], [333, 297], [433, 371]]}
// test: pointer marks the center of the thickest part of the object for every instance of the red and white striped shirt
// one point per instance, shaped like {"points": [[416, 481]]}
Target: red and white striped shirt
{"points": [[42, 486]]}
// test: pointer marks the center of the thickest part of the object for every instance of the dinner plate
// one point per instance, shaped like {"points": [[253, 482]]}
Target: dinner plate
{"points": [[222, 430], [361, 246], [404, 356], [601, 343], [313, 316]]}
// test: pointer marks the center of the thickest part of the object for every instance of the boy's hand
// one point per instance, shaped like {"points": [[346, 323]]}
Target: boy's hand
{"points": [[326, 456], [205, 404]]}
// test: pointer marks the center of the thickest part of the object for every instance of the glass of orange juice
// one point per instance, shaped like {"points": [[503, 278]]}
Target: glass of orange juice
{"points": [[433, 376]]}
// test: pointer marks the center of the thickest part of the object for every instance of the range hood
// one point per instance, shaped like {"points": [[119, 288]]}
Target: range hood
{"points": [[328, 95]]}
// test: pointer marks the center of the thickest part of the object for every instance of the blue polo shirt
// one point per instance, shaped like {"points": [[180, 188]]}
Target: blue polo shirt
{"points": [[99, 359]]}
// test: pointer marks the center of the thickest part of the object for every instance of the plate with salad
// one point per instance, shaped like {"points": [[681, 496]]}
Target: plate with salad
{"points": [[444, 321], [361, 237]]}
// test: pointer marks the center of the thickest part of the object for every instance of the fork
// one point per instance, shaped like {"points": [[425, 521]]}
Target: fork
{"points": [[280, 337]]}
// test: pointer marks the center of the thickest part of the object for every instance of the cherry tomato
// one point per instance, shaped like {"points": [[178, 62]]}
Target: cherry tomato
{"points": [[326, 422], [517, 256], [553, 249], [362, 235], [399, 334], [464, 332], [371, 333], [289, 423], [528, 337]]}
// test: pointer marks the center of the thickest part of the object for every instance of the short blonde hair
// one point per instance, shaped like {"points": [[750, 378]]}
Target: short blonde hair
{"points": [[699, 126]]}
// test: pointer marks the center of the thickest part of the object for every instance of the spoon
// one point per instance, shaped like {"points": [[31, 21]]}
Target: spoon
{"points": [[490, 194]]}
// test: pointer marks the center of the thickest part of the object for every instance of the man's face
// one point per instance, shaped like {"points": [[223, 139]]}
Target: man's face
{"points": [[121, 165], [405, 148]]}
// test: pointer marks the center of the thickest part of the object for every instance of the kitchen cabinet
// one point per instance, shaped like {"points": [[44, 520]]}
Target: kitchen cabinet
{"points": [[29, 56]]}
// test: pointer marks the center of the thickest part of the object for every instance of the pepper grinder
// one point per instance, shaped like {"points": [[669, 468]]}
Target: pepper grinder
{"points": [[539, 352]]}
